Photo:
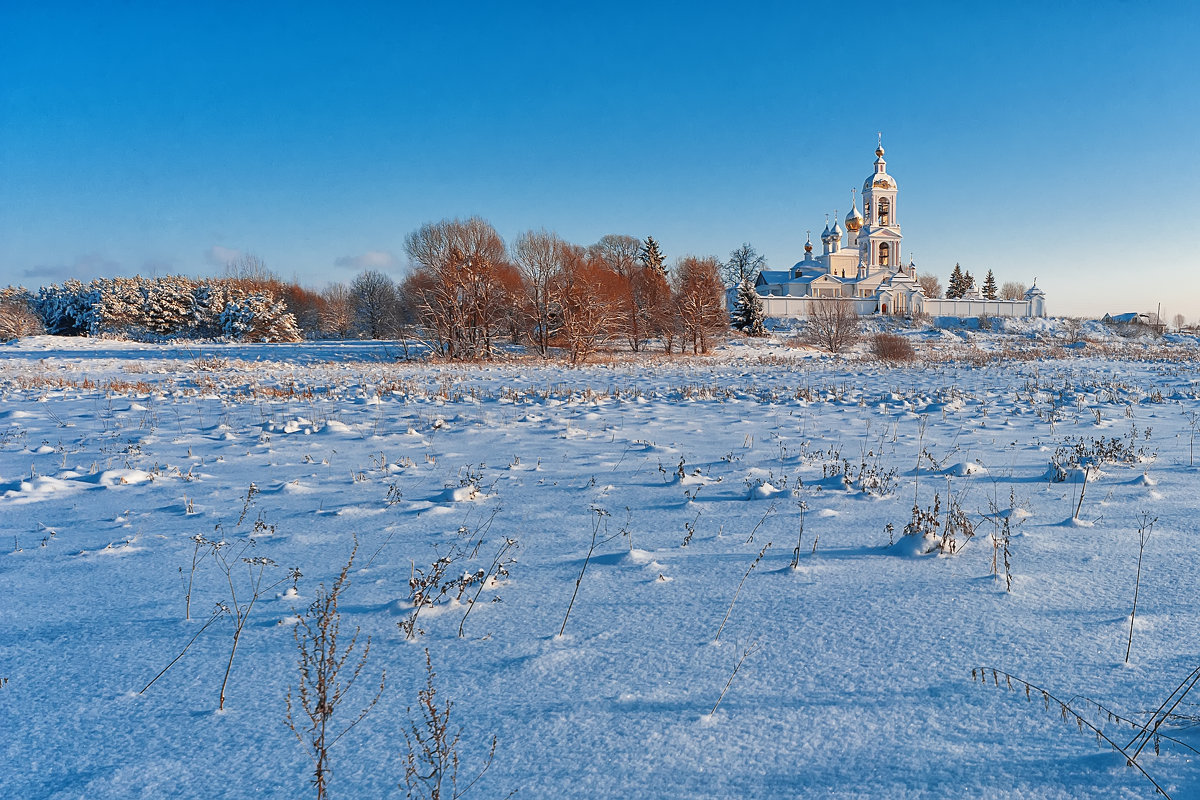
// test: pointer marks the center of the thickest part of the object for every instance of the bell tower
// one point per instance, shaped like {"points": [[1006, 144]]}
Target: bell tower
{"points": [[879, 240]]}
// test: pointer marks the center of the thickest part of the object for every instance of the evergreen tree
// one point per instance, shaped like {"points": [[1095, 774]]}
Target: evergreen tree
{"points": [[955, 289], [989, 286], [652, 257], [968, 283], [748, 314]]}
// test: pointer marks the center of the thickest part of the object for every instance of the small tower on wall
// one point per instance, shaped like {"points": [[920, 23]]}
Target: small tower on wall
{"points": [[879, 239]]}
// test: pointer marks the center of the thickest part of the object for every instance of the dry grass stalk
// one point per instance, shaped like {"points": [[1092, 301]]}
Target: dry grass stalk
{"points": [[327, 675]]}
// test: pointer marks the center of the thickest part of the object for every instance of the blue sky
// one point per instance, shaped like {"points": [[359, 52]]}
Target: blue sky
{"points": [[1055, 141]]}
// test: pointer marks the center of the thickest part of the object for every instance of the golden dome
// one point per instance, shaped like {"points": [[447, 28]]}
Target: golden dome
{"points": [[854, 219]]}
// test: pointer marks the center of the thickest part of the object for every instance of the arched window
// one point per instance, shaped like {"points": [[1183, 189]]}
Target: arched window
{"points": [[885, 208], [885, 251]]}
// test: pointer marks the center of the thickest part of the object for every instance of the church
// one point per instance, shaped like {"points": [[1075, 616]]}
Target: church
{"points": [[861, 265]]}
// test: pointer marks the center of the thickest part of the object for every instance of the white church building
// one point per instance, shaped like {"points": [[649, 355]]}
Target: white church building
{"points": [[862, 266]]}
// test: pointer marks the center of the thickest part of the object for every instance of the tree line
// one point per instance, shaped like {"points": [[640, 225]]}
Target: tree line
{"points": [[962, 283], [466, 295]]}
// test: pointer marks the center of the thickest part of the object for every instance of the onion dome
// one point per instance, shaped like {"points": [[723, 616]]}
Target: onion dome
{"points": [[836, 232], [825, 233], [854, 220], [808, 248]]}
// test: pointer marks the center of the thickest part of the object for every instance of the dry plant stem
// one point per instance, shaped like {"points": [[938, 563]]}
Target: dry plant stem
{"points": [[322, 664], [196, 559], [749, 569], [770, 511], [504, 548], [1065, 710], [1144, 529], [920, 451], [1082, 489], [598, 516], [800, 538], [256, 568], [218, 611], [1162, 712], [482, 530], [728, 683], [431, 758]]}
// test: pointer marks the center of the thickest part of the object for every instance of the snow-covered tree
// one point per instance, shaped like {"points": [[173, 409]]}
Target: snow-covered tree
{"points": [[258, 317], [968, 283], [748, 315], [65, 310], [652, 256], [955, 288]]}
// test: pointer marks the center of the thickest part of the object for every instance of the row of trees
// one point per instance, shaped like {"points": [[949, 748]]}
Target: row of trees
{"points": [[162, 308], [466, 293], [962, 283]]}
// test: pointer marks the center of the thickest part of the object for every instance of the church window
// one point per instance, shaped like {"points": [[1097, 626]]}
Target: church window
{"points": [[884, 211], [885, 251]]}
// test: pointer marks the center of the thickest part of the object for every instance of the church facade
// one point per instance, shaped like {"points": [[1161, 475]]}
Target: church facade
{"points": [[861, 266]]}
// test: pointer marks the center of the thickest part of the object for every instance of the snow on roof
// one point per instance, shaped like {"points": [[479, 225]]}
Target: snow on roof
{"points": [[773, 276]]}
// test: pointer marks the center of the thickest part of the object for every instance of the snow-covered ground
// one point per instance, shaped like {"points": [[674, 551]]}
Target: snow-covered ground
{"points": [[857, 671]]}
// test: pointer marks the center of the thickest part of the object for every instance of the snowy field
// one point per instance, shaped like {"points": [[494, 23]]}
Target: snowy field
{"points": [[763, 493]]}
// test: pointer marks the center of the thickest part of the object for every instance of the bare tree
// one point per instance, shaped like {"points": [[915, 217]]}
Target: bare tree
{"points": [[658, 310], [930, 285], [1012, 290], [832, 324], [699, 296], [17, 319], [337, 316], [540, 257], [250, 272], [743, 263], [590, 303], [374, 301], [307, 306], [622, 256], [464, 287], [1179, 321]]}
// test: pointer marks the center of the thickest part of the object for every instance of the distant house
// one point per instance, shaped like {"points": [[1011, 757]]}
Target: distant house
{"points": [[1132, 320], [862, 266]]}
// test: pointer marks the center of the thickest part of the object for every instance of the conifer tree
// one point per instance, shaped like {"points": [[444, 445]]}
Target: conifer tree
{"points": [[968, 283], [652, 257], [989, 286], [955, 289], [748, 314]]}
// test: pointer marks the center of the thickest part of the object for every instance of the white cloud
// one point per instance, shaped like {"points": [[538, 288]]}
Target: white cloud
{"points": [[372, 259], [220, 256]]}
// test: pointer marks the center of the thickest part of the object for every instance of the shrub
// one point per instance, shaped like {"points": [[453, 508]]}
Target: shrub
{"points": [[892, 347], [833, 324], [16, 320]]}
